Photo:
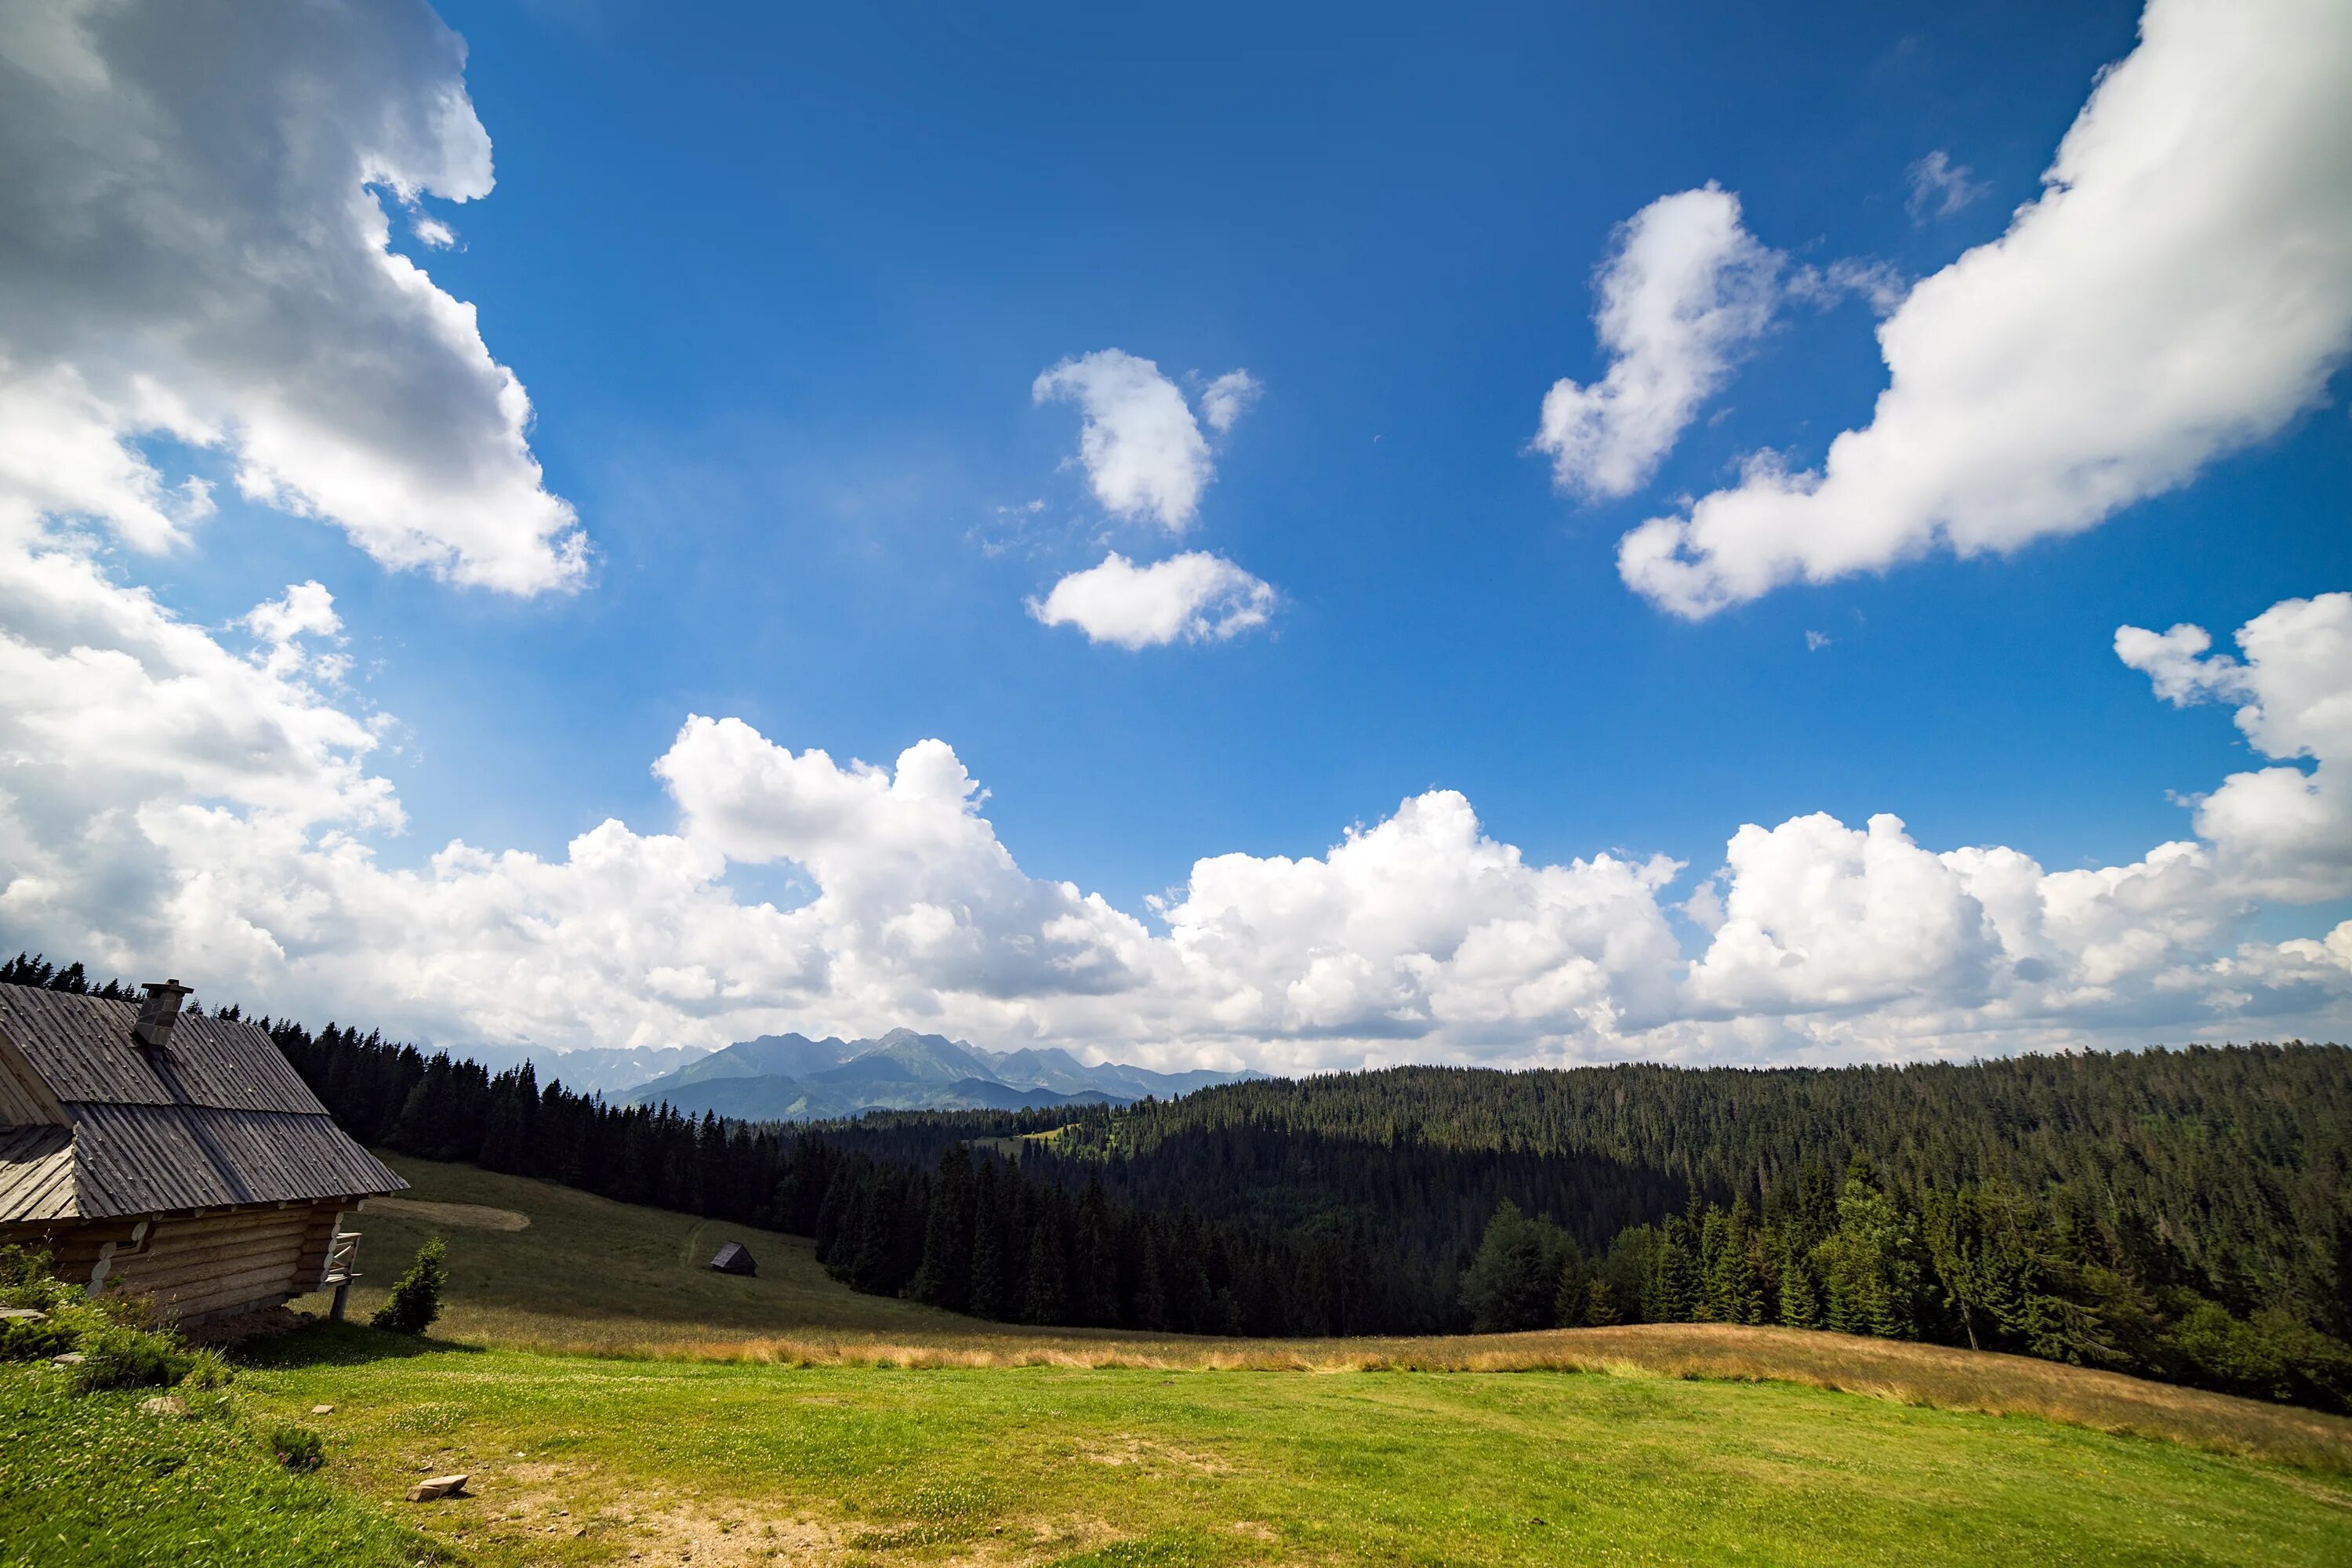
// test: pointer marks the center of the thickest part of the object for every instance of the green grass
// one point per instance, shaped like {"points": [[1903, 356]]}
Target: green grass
{"points": [[611, 1396], [588, 1274], [849, 1463], [91, 1479]]}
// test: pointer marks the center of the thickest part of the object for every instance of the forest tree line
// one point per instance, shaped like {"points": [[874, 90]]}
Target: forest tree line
{"points": [[2184, 1214]]}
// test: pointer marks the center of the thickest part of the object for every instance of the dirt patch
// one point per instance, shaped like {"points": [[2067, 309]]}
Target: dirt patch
{"points": [[554, 1503], [470, 1216], [246, 1326], [1152, 1457]]}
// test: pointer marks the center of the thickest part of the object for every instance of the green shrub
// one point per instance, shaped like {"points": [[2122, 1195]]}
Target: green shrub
{"points": [[115, 1355], [296, 1447], [415, 1299], [26, 1281], [40, 1339], [209, 1370]]}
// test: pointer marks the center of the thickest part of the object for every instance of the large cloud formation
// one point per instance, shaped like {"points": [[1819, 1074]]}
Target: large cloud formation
{"points": [[2181, 289], [203, 800], [216, 817], [194, 244]]}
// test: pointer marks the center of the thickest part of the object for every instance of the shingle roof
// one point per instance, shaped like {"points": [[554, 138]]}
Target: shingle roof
{"points": [[81, 1046], [220, 1118], [36, 1173]]}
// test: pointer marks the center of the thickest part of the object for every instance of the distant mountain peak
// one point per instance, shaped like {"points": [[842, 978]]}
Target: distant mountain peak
{"points": [[791, 1077]]}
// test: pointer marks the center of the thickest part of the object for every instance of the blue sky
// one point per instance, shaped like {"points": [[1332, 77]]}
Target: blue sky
{"points": [[779, 282]]}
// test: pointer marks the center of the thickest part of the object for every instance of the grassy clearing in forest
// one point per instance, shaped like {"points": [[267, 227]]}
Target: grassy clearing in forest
{"points": [[785, 1419], [587, 1275]]}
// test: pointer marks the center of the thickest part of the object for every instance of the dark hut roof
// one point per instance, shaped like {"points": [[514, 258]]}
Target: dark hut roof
{"points": [[733, 1258], [218, 1118]]}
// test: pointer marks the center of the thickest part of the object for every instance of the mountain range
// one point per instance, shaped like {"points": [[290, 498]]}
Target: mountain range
{"points": [[790, 1077], [588, 1069]]}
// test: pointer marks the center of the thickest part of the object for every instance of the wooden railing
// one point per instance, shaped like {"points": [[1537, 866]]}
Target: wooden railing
{"points": [[343, 1268]]}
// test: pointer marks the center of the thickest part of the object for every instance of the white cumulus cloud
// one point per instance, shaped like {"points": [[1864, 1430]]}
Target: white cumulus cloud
{"points": [[1684, 289], [2282, 832], [2181, 289], [1142, 449], [1195, 596], [193, 243], [167, 804]]}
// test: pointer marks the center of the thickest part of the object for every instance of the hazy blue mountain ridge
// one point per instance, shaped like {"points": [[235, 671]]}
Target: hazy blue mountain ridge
{"points": [[793, 1078]]}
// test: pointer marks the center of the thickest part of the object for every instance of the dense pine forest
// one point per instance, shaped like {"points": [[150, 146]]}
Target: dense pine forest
{"points": [[2183, 1214]]}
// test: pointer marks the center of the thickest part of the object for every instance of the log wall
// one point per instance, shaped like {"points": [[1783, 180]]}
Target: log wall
{"points": [[196, 1266]]}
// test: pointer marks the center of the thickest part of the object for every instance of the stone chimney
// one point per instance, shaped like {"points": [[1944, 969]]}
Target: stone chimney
{"points": [[157, 1014]]}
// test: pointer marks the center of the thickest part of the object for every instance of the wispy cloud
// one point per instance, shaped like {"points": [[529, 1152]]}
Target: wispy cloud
{"points": [[1940, 187]]}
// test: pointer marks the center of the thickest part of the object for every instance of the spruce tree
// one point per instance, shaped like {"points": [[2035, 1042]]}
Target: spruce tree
{"points": [[991, 1271], [944, 1276], [1046, 1295], [1801, 1302]]}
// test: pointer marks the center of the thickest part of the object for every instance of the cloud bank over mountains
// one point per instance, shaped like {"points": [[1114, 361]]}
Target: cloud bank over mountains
{"points": [[1421, 936], [208, 796]]}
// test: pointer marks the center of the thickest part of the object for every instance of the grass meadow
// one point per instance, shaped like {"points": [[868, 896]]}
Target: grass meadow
{"points": [[617, 1403]]}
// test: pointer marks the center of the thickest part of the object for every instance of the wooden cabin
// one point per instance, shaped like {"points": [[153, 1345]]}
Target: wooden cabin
{"points": [[734, 1258], [175, 1157]]}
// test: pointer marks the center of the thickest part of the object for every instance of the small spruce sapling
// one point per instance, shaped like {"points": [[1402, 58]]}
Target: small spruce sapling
{"points": [[416, 1297]]}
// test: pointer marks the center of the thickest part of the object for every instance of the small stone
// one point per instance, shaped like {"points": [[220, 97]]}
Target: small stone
{"points": [[322, 1410], [169, 1405], [71, 1358], [437, 1487]]}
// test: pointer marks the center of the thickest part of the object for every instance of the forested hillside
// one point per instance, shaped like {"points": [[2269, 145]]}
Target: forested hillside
{"points": [[2185, 1214], [2145, 1177]]}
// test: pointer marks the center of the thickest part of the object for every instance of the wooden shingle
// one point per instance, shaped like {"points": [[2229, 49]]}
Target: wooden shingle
{"points": [[216, 1118]]}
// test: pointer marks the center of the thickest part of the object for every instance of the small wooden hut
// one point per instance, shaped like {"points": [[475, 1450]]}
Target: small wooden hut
{"points": [[734, 1258], [180, 1158]]}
